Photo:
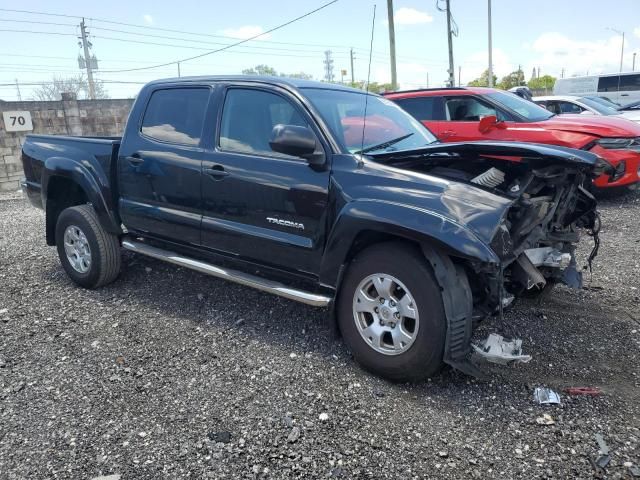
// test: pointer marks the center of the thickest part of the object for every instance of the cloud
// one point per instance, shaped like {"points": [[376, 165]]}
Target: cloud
{"points": [[244, 32], [554, 52], [476, 63], [148, 19], [411, 16], [636, 32]]}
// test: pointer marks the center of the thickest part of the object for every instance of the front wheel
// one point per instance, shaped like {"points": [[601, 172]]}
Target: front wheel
{"points": [[89, 254], [391, 314]]}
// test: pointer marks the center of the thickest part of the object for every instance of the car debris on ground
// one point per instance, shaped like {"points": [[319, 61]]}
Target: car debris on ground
{"points": [[496, 349], [201, 373], [546, 396]]}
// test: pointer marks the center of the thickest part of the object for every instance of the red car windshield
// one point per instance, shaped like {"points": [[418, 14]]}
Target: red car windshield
{"points": [[524, 108], [387, 126]]}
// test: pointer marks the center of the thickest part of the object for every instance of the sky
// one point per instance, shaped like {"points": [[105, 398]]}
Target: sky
{"points": [[575, 36]]}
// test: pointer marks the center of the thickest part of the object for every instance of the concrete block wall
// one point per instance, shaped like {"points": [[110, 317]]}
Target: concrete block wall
{"points": [[103, 118]]}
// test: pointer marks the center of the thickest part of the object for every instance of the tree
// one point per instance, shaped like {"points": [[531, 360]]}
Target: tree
{"points": [[77, 85], [260, 70], [545, 82], [301, 75], [374, 87], [483, 80], [514, 79], [267, 70]]}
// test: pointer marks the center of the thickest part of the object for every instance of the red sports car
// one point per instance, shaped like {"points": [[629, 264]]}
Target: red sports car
{"points": [[464, 114]]}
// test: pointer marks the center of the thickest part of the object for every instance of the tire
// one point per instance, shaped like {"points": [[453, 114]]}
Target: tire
{"points": [[79, 227], [418, 358]]}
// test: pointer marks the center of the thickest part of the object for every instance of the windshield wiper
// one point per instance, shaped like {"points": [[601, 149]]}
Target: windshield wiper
{"points": [[386, 144]]}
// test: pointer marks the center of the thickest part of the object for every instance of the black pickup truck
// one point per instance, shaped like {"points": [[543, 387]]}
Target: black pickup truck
{"points": [[325, 195]]}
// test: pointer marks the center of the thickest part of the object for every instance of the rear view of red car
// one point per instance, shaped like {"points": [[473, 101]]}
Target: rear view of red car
{"points": [[465, 114]]}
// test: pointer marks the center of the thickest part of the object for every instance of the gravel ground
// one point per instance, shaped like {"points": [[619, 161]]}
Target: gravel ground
{"points": [[170, 374]]}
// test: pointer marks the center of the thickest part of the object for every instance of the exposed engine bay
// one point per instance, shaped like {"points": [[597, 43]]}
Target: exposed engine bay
{"points": [[536, 238]]}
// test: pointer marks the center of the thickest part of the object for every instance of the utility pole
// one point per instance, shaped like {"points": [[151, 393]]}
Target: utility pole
{"points": [[353, 81], [87, 61], [490, 70], [622, 52], [633, 64], [459, 75], [562, 73], [427, 79], [328, 66], [20, 95], [392, 45], [452, 78], [178, 69]]}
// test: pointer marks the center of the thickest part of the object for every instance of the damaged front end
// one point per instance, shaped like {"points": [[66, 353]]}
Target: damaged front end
{"points": [[536, 235]]}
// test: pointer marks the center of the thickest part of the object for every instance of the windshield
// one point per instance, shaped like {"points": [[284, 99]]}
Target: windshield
{"points": [[603, 107], [522, 107], [387, 127]]}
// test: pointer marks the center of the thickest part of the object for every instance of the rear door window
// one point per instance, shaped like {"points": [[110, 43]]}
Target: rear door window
{"points": [[608, 84], [176, 115], [568, 107], [423, 108], [629, 82]]}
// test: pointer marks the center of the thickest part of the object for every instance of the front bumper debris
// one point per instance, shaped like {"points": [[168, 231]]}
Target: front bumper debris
{"points": [[496, 349]]}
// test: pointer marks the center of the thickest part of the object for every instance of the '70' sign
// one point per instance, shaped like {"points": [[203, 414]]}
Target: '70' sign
{"points": [[17, 121]]}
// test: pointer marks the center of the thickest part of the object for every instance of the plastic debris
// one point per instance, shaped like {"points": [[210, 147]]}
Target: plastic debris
{"points": [[604, 448], [593, 391], [545, 419], [546, 396], [496, 349], [603, 458]]}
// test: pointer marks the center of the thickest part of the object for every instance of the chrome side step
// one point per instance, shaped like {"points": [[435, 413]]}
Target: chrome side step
{"points": [[242, 278]]}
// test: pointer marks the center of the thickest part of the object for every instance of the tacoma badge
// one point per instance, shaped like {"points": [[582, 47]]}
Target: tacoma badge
{"points": [[286, 223]]}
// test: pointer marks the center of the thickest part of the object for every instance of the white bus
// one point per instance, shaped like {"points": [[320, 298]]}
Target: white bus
{"points": [[621, 88]]}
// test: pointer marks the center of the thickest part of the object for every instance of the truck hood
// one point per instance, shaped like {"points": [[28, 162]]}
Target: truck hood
{"points": [[596, 125], [545, 153]]}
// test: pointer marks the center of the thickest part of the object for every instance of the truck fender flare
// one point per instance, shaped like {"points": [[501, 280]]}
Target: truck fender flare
{"points": [[90, 185], [418, 225], [457, 300]]}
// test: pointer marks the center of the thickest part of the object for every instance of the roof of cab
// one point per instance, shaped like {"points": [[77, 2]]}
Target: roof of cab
{"points": [[295, 83]]}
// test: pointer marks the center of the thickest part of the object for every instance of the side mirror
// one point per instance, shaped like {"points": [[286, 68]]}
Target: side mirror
{"points": [[293, 140], [489, 122]]}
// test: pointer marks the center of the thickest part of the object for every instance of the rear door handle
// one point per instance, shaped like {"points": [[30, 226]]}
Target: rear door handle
{"points": [[135, 161], [217, 171]]}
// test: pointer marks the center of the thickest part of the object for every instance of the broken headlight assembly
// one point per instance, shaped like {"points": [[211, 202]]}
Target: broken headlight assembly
{"points": [[620, 143]]}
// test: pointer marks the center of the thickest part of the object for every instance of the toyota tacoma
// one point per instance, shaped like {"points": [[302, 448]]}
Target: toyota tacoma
{"points": [[325, 195]]}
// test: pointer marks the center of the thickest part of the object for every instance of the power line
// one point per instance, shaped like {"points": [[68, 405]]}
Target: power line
{"points": [[200, 41], [149, 27], [37, 22], [39, 32], [233, 44]]}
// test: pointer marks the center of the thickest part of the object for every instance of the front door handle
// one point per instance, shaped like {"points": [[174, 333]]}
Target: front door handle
{"points": [[217, 172], [447, 133], [135, 161]]}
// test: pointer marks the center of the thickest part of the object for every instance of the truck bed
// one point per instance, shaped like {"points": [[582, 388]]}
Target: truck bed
{"points": [[97, 154]]}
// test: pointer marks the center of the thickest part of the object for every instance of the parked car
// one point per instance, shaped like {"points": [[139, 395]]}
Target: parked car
{"points": [[561, 104], [633, 107], [621, 88], [466, 114], [283, 186]]}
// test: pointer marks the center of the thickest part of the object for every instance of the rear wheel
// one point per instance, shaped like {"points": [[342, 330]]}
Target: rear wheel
{"points": [[391, 314], [89, 254]]}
